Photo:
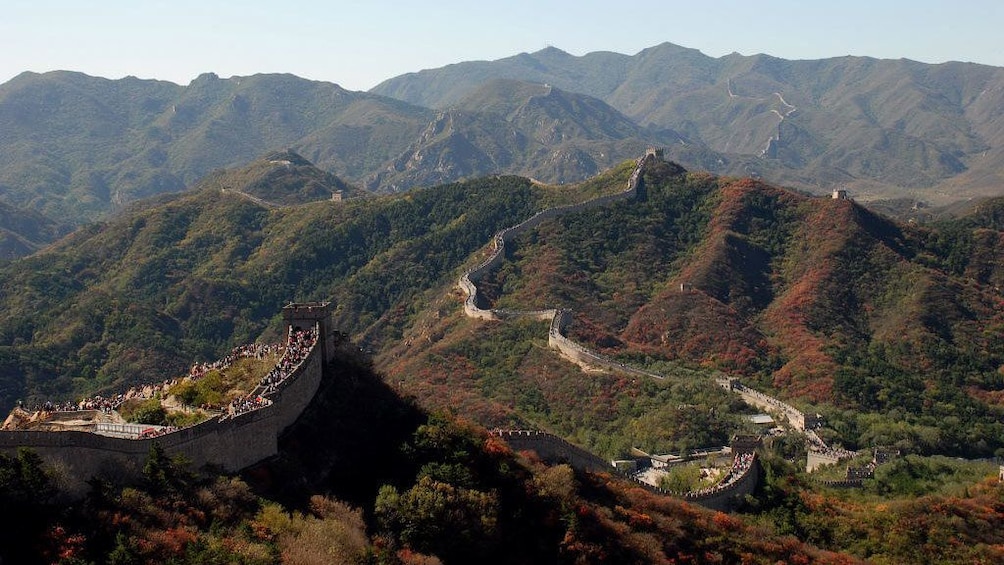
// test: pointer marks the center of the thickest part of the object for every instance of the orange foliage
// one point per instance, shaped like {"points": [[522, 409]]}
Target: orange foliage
{"points": [[495, 446]]}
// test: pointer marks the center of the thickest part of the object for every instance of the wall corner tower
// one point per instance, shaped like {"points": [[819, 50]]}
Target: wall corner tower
{"points": [[304, 315]]}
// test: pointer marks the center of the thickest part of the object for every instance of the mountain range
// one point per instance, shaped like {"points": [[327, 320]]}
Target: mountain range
{"points": [[145, 226], [876, 126], [75, 148]]}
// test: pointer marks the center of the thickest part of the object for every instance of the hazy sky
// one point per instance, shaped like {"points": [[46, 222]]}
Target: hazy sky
{"points": [[358, 43]]}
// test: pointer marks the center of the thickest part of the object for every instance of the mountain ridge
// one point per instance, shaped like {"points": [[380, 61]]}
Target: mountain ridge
{"points": [[79, 147], [866, 101]]}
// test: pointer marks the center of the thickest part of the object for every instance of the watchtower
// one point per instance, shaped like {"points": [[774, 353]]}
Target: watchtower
{"points": [[304, 315], [745, 443]]}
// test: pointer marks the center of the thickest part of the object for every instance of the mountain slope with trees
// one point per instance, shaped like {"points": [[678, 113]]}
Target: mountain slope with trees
{"points": [[187, 276], [76, 147], [79, 147], [892, 330]]}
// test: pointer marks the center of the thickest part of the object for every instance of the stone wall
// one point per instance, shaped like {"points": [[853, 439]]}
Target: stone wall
{"points": [[553, 449], [467, 280], [818, 453], [559, 318], [76, 456], [583, 357], [229, 444]]}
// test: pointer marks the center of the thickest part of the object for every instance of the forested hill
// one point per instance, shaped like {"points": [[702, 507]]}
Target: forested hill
{"points": [[77, 148], [23, 232], [74, 146], [879, 126], [893, 331], [187, 276], [778, 284]]}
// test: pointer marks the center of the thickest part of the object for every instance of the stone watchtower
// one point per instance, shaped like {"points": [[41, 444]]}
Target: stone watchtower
{"points": [[745, 443], [303, 316]]}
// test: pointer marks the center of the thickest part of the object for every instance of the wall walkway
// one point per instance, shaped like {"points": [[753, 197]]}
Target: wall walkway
{"points": [[818, 453]]}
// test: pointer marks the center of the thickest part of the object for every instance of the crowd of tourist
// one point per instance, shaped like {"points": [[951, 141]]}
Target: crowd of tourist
{"points": [[740, 466], [257, 351], [298, 346], [157, 432], [105, 404], [243, 405], [299, 343], [96, 402]]}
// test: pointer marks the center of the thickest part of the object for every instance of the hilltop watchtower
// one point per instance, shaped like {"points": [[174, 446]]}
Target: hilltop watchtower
{"points": [[303, 316]]}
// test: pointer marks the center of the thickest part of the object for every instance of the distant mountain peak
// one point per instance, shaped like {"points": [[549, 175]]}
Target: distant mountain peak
{"points": [[206, 77], [552, 51], [279, 178], [287, 157]]}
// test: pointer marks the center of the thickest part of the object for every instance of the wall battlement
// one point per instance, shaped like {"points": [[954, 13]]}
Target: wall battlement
{"points": [[230, 443]]}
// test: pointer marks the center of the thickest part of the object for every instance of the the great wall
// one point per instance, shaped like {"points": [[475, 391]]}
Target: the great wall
{"points": [[230, 442], [741, 479], [559, 318], [551, 447], [238, 440]]}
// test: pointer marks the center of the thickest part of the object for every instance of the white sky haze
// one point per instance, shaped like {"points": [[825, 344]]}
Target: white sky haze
{"points": [[358, 43]]}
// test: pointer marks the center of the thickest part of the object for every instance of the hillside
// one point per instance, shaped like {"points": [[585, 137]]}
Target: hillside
{"points": [[890, 330], [281, 178], [189, 275], [77, 148], [880, 127], [519, 128], [362, 477], [23, 232]]}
